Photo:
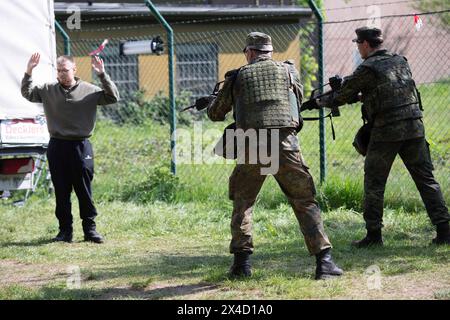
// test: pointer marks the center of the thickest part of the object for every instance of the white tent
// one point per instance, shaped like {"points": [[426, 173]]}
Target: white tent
{"points": [[26, 26]]}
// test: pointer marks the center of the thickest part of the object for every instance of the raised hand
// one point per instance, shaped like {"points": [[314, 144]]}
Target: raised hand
{"points": [[97, 65], [33, 62]]}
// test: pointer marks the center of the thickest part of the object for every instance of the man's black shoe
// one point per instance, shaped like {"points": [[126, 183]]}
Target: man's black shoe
{"points": [[64, 236], [93, 236], [373, 238], [441, 241], [442, 234]]}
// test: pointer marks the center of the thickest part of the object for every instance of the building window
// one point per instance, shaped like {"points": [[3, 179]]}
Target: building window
{"points": [[197, 68]]}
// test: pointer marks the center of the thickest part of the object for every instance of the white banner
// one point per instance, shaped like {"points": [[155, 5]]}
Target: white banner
{"points": [[26, 26], [26, 131]]}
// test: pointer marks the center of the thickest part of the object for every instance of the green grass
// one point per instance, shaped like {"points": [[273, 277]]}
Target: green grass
{"points": [[167, 237], [179, 251]]}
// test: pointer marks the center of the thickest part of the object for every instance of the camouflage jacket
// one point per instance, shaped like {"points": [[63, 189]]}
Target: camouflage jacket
{"points": [[363, 79]]}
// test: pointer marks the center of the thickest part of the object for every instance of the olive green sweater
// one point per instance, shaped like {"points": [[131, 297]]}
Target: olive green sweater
{"points": [[71, 113]]}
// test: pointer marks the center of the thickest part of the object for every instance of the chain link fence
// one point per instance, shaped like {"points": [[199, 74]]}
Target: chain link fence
{"points": [[132, 138]]}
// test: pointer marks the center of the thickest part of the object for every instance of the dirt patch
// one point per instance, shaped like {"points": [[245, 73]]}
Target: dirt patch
{"points": [[414, 286], [40, 275], [161, 291], [122, 293], [178, 291], [32, 275]]}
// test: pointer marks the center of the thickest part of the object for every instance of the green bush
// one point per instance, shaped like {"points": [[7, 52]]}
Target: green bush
{"points": [[159, 185], [137, 109]]}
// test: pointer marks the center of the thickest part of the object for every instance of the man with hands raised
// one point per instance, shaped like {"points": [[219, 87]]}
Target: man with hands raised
{"points": [[70, 106]]}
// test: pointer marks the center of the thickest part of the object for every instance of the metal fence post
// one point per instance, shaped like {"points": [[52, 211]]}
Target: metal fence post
{"points": [[323, 151], [160, 18], [65, 37]]}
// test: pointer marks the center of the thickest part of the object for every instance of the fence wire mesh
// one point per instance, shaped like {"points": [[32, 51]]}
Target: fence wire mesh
{"points": [[132, 138]]}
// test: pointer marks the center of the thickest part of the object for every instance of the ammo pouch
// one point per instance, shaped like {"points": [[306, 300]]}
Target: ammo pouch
{"points": [[225, 148], [362, 138]]}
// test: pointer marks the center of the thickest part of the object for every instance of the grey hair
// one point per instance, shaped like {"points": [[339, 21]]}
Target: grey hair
{"points": [[63, 58]]}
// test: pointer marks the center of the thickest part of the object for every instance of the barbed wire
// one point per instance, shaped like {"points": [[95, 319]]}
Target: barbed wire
{"points": [[112, 18], [389, 16], [120, 28], [142, 15], [304, 23], [193, 21], [372, 4], [183, 21]]}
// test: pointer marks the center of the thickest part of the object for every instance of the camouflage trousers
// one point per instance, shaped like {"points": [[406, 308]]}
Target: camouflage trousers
{"points": [[415, 154], [296, 183]]}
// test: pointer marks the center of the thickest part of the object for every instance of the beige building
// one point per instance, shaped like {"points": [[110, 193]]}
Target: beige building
{"points": [[209, 39]]}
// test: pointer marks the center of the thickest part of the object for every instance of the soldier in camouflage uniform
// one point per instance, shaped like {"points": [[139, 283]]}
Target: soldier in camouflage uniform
{"points": [[392, 108], [259, 96]]}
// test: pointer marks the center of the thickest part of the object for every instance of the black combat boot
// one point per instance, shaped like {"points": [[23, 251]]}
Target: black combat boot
{"points": [[64, 235], [241, 265], [93, 236], [90, 233], [373, 238], [325, 267], [442, 234]]}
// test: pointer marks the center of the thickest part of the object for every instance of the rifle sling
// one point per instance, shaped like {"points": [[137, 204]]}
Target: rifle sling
{"points": [[323, 117]]}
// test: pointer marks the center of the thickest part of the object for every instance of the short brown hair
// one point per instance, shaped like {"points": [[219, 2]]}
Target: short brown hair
{"points": [[62, 58], [375, 43]]}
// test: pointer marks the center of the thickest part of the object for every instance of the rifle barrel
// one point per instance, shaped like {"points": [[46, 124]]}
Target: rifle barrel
{"points": [[187, 108]]}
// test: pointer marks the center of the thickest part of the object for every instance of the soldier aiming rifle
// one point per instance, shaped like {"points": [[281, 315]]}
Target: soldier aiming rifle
{"points": [[392, 115]]}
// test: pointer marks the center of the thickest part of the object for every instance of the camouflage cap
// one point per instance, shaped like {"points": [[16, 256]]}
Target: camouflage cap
{"points": [[258, 41], [368, 34]]}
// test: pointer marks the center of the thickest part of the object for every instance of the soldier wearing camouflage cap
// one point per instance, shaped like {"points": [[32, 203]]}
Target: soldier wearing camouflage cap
{"points": [[258, 41], [392, 112], [372, 35], [266, 94]]}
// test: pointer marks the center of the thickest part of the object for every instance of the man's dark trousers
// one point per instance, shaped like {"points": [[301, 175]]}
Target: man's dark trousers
{"points": [[71, 164]]}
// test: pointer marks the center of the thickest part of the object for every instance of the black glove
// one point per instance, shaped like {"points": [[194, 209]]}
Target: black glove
{"points": [[202, 103], [310, 105]]}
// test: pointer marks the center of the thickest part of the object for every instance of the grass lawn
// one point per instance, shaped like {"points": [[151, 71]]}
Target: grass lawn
{"points": [[180, 251]]}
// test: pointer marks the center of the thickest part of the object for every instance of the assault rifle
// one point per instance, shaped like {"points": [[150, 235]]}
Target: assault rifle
{"points": [[335, 84], [203, 102]]}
